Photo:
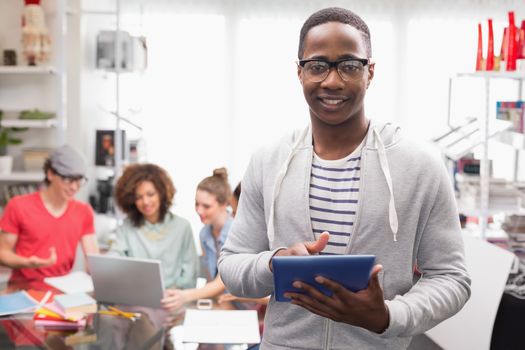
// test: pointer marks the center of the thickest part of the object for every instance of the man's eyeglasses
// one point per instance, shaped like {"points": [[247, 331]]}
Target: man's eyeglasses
{"points": [[349, 69], [80, 180]]}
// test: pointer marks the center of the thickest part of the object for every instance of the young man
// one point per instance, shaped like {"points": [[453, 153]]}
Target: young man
{"points": [[347, 186], [40, 231]]}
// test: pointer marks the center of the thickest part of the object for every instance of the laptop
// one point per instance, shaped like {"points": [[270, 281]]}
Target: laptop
{"points": [[127, 281]]}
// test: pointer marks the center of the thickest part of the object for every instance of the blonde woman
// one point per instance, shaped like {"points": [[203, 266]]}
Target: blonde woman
{"points": [[211, 204]]}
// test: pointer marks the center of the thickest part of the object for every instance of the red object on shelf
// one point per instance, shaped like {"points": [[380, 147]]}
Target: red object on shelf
{"points": [[511, 47], [32, 2], [504, 44], [521, 45], [479, 58], [490, 51]]}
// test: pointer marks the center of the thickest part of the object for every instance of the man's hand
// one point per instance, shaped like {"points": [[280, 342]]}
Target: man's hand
{"points": [[305, 248], [174, 299], [366, 308], [34, 261]]}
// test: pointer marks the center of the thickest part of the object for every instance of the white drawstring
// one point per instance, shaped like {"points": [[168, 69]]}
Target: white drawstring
{"points": [[392, 214], [279, 180]]}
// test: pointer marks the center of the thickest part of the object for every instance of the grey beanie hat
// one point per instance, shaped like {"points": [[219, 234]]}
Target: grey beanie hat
{"points": [[67, 161]]}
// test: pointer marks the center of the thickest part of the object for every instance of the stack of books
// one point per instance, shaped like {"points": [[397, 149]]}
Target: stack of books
{"points": [[50, 316], [76, 303], [66, 312], [512, 111], [52, 320], [514, 225]]}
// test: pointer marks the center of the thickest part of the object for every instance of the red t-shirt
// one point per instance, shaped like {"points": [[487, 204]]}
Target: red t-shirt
{"points": [[38, 230]]}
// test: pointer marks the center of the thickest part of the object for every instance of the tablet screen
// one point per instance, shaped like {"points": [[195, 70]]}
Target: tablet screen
{"points": [[352, 271]]}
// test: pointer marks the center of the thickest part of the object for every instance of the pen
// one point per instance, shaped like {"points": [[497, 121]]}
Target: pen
{"points": [[131, 315], [112, 313], [115, 313]]}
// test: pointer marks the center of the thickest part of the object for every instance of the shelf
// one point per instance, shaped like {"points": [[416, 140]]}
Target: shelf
{"points": [[11, 120], [21, 176], [511, 138], [501, 75], [28, 70], [26, 123], [460, 141]]}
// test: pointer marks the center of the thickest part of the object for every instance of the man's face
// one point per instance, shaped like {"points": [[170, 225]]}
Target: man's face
{"points": [[65, 187], [334, 101]]}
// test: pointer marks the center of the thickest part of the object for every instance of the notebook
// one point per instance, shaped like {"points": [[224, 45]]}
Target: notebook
{"points": [[52, 309], [75, 303], [352, 271], [57, 323], [75, 282], [18, 302]]}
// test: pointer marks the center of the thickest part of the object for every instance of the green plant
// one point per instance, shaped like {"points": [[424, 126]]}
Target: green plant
{"points": [[6, 138]]}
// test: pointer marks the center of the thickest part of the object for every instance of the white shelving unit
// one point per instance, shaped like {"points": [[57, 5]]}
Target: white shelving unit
{"points": [[28, 87], [511, 138]]}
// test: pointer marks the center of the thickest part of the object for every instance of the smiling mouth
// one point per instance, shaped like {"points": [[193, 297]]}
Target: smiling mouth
{"points": [[332, 101]]}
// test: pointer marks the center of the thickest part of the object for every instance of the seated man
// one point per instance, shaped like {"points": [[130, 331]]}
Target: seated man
{"points": [[40, 231]]}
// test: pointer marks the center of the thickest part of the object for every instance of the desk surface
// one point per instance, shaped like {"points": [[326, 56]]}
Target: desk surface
{"points": [[151, 331], [110, 332]]}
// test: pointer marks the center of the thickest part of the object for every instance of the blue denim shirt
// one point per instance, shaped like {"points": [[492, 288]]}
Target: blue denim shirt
{"points": [[208, 245]]}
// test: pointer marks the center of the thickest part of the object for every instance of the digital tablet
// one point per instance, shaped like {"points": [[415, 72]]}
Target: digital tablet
{"points": [[352, 271]]}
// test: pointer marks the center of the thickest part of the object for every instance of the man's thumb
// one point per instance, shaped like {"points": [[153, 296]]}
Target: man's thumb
{"points": [[374, 276], [318, 245]]}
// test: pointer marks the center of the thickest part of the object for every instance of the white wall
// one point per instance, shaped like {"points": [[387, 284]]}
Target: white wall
{"points": [[222, 80]]}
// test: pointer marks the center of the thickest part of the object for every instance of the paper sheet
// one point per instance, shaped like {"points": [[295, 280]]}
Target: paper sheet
{"points": [[221, 327], [75, 282], [16, 303]]}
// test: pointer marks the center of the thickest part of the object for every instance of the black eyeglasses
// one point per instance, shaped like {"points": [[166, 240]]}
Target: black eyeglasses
{"points": [[349, 69], [68, 179]]}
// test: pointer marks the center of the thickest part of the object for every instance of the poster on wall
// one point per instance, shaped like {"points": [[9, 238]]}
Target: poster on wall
{"points": [[105, 147]]}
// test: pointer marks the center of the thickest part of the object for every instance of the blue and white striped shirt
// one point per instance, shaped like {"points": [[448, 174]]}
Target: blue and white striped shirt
{"points": [[334, 193]]}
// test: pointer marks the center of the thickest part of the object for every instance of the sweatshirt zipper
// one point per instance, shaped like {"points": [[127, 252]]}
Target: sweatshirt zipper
{"points": [[328, 334], [307, 190], [359, 201]]}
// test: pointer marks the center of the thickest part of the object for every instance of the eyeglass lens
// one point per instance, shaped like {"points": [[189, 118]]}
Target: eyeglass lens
{"points": [[349, 70], [78, 180]]}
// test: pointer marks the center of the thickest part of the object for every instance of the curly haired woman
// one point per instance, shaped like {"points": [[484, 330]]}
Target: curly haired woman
{"points": [[145, 194]]}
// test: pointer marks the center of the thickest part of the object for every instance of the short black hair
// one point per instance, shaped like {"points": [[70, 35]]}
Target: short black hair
{"points": [[47, 166], [335, 14]]}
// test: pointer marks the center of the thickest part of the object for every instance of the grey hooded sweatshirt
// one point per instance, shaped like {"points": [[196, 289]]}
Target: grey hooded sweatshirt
{"points": [[407, 216]]}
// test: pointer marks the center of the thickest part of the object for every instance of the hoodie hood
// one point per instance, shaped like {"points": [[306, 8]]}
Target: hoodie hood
{"points": [[378, 138]]}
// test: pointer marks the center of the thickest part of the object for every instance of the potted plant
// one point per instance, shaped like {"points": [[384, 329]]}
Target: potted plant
{"points": [[6, 161]]}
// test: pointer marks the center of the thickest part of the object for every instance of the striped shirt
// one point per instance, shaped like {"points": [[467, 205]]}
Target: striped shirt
{"points": [[334, 193]]}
